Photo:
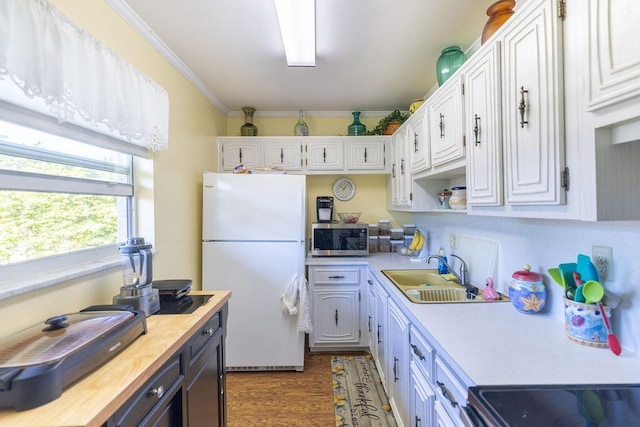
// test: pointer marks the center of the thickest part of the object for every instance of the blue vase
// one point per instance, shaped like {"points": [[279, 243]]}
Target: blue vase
{"points": [[449, 61], [356, 128]]}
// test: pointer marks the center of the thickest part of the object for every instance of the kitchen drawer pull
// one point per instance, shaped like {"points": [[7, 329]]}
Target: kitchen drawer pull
{"points": [[336, 317], [417, 351], [379, 342], [208, 331], [522, 106], [418, 421], [415, 142], [393, 170], [401, 166], [441, 126], [324, 155], [282, 155], [369, 324], [476, 129], [395, 369], [240, 154], [446, 393], [365, 154], [336, 277], [157, 392]]}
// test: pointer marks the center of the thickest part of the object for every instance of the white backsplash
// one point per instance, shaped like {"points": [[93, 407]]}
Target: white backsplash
{"points": [[544, 244]]}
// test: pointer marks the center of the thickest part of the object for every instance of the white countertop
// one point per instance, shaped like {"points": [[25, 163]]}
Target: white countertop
{"points": [[493, 343]]}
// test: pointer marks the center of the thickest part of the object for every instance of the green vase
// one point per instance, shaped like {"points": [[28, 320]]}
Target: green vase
{"points": [[248, 128], [301, 128], [449, 61], [356, 128]]}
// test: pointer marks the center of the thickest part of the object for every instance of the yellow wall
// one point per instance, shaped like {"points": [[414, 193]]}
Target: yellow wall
{"points": [[283, 126]]}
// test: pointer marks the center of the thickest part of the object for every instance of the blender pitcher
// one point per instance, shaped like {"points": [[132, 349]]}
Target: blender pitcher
{"points": [[136, 260]]}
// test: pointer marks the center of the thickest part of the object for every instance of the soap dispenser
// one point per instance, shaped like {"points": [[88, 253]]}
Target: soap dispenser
{"points": [[442, 267]]}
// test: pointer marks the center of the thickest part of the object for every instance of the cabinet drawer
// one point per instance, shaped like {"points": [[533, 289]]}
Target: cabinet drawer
{"points": [[200, 338], [335, 276], [155, 396], [450, 391], [422, 353]]}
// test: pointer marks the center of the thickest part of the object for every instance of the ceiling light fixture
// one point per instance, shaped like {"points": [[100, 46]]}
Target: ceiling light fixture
{"points": [[298, 28]]}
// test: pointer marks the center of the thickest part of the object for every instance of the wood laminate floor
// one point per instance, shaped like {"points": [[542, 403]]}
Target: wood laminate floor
{"points": [[283, 398]]}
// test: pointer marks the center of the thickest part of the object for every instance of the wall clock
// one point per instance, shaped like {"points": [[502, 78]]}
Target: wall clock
{"points": [[344, 189]]}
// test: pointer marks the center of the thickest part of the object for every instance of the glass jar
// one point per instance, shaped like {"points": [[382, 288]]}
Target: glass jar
{"points": [[356, 128], [248, 128], [444, 197], [458, 199], [301, 128], [449, 61]]}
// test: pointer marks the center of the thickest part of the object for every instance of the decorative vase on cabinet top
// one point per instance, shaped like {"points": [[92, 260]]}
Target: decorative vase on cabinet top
{"points": [[248, 128], [498, 14], [449, 61], [356, 128], [301, 128], [526, 291]]}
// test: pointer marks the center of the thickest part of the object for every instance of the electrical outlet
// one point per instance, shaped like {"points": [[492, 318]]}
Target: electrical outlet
{"points": [[452, 241], [602, 258]]}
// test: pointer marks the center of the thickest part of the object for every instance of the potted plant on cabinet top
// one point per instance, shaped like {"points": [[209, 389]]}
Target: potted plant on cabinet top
{"points": [[388, 124]]}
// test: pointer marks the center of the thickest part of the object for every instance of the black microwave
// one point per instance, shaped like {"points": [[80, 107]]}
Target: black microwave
{"points": [[339, 239]]}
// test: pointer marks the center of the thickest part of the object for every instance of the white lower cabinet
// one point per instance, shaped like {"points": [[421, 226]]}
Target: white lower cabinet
{"points": [[380, 330], [451, 393], [398, 363], [422, 398], [336, 312]]}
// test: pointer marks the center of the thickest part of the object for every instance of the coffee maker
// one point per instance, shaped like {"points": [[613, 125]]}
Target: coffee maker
{"points": [[324, 208], [136, 259]]}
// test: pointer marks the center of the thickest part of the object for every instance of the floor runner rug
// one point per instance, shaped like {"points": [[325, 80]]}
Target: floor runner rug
{"points": [[358, 394]]}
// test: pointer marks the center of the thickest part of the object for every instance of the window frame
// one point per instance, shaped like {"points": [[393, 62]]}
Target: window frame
{"points": [[29, 275]]}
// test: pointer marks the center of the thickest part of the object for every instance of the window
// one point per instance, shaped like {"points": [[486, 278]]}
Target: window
{"points": [[59, 195]]}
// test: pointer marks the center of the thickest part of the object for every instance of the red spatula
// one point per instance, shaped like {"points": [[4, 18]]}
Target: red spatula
{"points": [[614, 344]]}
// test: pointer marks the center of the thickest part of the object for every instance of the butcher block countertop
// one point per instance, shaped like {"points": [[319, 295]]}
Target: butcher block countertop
{"points": [[95, 397]]}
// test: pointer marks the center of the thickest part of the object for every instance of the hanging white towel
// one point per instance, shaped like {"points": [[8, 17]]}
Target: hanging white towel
{"points": [[304, 313], [290, 297]]}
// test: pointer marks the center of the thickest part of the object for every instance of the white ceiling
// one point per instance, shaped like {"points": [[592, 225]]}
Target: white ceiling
{"points": [[372, 55]]}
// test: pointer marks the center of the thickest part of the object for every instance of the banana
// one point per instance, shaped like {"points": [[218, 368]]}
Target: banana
{"points": [[420, 244], [415, 240]]}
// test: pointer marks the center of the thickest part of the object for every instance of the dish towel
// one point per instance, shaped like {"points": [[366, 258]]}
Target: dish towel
{"points": [[295, 301]]}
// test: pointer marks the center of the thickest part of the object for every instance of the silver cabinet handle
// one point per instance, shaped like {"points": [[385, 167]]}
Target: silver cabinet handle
{"points": [[415, 142], [157, 392], [240, 154], [476, 129], [446, 393], [417, 351], [395, 369], [522, 106], [336, 277], [441, 126], [336, 317]]}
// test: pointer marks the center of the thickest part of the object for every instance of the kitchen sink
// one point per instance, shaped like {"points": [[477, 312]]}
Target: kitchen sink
{"points": [[426, 286]]}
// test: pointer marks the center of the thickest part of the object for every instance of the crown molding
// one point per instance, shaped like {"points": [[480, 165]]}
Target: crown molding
{"points": [[125, 11]]}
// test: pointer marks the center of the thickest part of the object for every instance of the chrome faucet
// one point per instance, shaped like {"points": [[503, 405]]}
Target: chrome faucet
{"points": [[463, 276]]}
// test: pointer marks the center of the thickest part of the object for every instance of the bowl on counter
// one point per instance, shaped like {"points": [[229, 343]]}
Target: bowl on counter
{"points": [[349, 217]]}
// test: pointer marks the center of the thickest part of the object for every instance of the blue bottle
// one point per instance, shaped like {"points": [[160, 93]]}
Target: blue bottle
{"points": [[442, 268]]}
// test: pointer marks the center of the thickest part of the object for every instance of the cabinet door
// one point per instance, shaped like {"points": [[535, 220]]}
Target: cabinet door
{"points": [[483, 126], [239, 151], [614, 52], [325, 155], [533, 106], [400, 174], [418, 138], [381, 331], [283, 154], [336, 315], [398, 345], [365, 154], [446, 123], [371, 319], [421, 411]]}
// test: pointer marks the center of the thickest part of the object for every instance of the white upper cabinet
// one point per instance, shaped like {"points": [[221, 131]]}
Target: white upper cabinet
{"points": [[614, 49], [400, 174], [283, 154], [483, 126], [366, 154], [418, 138], [446, 123], [533, 113], [239, 151], [325, 155]]}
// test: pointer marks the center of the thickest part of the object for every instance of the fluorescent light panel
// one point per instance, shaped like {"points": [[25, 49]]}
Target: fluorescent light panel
{"points": [[298, 28]]}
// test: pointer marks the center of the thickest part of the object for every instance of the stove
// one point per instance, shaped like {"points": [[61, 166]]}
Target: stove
{"points": [[555, 405]]}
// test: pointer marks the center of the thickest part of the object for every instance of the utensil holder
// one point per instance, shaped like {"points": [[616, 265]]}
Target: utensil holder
{"points": [[583, 323]]}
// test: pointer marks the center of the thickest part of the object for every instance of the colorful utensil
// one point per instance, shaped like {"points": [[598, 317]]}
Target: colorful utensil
{"points": [[578, 297], [586, 268], [614, 344], [592, 291], [556, 275], [567, 270]]}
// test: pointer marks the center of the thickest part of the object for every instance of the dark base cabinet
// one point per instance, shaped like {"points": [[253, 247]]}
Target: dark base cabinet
{"points": [[188, 390]]}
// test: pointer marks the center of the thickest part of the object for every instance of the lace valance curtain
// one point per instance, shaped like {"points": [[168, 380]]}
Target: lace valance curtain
{"points": [[50, 65]]}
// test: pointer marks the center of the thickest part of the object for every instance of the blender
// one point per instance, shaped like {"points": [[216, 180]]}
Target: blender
{"points": [[136, 261]]}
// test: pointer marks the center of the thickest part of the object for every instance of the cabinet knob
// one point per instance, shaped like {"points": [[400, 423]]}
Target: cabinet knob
{"points": [[208, 332], [157, 392]]}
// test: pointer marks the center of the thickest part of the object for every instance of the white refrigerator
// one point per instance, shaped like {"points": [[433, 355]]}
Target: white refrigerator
{"points": [[253, 243]]}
